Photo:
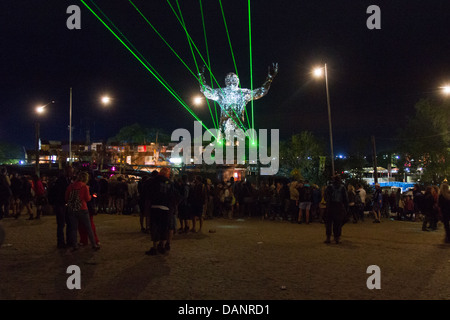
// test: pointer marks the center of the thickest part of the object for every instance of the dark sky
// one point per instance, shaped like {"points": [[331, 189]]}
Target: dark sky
{"points": [[375, 76]]}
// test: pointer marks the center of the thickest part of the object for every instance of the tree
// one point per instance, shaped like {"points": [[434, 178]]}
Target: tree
{"points": [[10, 153], [300, 157], [136, 134], [425, 141]]}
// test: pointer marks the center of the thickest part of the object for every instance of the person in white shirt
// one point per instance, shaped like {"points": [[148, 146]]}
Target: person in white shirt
{"points": [[362, 194]]}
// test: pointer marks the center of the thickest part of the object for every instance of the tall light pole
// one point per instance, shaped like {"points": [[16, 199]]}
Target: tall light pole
{"points": [[105, 100], [319, 72], [36, 149], [39, 110], [446, 90], [70, 127]]}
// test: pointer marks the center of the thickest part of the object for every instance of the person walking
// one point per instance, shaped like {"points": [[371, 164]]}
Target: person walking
{"points": [[337, 206], [77, 196]]}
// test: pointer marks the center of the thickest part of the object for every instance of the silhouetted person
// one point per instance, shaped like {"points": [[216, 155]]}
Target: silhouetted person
{"points": [[337, 206]]}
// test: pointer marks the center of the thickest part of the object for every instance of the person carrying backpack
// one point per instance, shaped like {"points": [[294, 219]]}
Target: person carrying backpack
{"points": [[337, 206]]}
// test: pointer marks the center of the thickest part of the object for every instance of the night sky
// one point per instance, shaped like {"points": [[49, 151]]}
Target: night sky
{"points": [[375, 76]]}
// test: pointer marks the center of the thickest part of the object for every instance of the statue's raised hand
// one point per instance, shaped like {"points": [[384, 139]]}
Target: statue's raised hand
{"points": [[273, 70], [201, 75]]}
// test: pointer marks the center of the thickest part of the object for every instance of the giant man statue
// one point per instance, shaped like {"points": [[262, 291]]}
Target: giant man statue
{"points": [[232, 99]]}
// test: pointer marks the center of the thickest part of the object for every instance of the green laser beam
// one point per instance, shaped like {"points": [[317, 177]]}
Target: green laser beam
{"points": [[162, 38], [131, 45], [137, 51], [198, 51], [146, 67], [251, 62], [193, 55], [187, 33], [231, 49], [146, 64], [228, 36], [207, 55], [170, 47]]}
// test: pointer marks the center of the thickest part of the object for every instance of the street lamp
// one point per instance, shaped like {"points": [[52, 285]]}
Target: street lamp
{"points": [[318, 73], [70, 128], [198, 100], [39, 110], [446, 90], [104, 100]]}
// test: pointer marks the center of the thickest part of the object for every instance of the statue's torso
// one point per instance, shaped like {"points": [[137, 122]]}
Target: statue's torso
{"points": [[232, 101]]}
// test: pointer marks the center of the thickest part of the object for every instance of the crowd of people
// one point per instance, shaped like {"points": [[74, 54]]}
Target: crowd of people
{"points": [[167, 205]]}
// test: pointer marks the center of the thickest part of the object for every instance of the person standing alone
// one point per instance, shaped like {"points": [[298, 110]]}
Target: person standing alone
{"points": [[337, 205], [160, 194]]}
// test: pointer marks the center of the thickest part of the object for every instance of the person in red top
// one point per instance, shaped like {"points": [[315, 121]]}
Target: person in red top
{"points": [[84, 241], [39, 196], [77, 197]]}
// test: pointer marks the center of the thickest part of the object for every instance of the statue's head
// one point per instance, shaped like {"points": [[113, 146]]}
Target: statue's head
{"points": [[231, 80]]}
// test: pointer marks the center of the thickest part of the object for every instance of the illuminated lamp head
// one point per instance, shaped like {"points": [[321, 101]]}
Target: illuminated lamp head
{"points": [[232, 80]]}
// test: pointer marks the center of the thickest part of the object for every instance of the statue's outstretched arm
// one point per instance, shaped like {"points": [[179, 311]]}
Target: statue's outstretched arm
{"points": [[262, 91], [207, 91]]}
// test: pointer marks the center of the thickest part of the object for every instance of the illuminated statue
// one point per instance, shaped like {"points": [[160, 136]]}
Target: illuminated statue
{"points": [[232, 99]]}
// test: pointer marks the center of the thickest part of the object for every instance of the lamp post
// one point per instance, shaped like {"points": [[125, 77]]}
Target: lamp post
{"points": [[39, 110], [446, 90], [70, 127], [318, 73], [36, 149], [104, 100], [198, 100]]}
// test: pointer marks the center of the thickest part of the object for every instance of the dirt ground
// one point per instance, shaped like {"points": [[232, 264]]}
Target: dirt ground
{"points": [[240, 259]]}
